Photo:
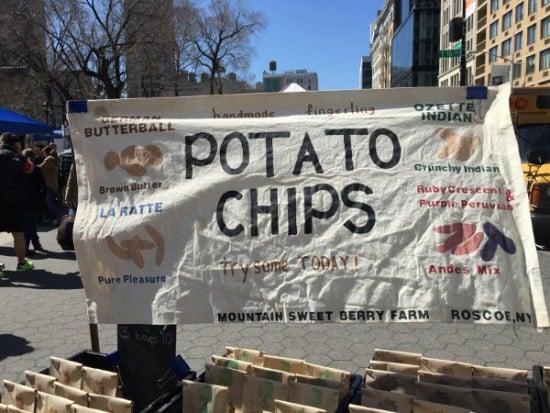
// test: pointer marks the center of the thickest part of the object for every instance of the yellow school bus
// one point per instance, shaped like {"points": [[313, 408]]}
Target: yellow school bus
{"points": [[530, 111]]}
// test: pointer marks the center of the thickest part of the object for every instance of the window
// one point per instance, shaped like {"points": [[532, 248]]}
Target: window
{"points": [[494, 5], [518, 41], [519, 12], [545, 28], [530, 62], [531, 34], [544, 2], [532, 6], [545, 59], [493, 30], [493, 54], [507, 21], [506, 47]]}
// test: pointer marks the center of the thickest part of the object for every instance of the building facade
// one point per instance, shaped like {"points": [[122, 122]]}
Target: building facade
{"points": [[365, 73], [275, 82], [380, 46], [504, 40]]}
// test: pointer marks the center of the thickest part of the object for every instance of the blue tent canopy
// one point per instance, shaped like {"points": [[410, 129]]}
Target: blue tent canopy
{"points": [[17, 123]]}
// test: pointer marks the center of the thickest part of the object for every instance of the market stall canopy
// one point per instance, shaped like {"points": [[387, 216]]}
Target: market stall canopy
{"points": [[17, 123], [293, 87]]}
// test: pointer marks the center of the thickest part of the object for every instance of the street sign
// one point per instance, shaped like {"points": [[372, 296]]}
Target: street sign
{"points": [[449, 53]]}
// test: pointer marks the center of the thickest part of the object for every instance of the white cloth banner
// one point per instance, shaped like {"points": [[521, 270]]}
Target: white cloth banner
{"points": [[381, 205]]}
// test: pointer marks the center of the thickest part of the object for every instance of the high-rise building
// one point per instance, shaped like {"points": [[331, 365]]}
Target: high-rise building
{"points": [[365, 73], [380, 46], [512, 34], [150, 62], [275, 82], [415, 44]]}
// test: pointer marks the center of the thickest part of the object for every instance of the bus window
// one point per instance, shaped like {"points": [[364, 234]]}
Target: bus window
{"points": [[533, 138]]}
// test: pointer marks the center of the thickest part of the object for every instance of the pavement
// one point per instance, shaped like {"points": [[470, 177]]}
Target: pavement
{"points": [[43, 313]]}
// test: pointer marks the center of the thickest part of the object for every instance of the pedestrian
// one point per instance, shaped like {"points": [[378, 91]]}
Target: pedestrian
{"points": [[70, 197], [13, 168], [36, 197], [39, 153], [50, 172]]}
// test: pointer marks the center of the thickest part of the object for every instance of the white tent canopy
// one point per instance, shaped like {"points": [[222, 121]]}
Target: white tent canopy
{"points": [[293, 87]]}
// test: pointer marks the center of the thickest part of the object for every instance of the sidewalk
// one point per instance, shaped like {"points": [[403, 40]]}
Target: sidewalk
{"points": [[43, 313]]}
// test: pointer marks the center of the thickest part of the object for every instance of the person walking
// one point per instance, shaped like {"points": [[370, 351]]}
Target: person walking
{"points": [[50, 172], [70, 195], [13, 168], [36, 196]]}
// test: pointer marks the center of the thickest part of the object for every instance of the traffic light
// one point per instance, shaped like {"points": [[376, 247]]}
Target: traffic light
{"points": [[456, 29]]}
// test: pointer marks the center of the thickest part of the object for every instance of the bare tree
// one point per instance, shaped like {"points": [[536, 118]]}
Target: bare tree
{"points": [[185, 14], [222, 38], [85, 45]]}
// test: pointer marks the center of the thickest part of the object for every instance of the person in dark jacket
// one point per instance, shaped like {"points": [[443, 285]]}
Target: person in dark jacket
{"points": [[36, 198], [13, 168]]}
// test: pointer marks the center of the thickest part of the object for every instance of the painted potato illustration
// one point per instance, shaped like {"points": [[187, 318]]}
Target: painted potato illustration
{"points": [[134, 159], [459, 146]]}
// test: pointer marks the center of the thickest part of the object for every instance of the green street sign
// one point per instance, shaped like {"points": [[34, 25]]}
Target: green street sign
{"points": [[449, 53]]}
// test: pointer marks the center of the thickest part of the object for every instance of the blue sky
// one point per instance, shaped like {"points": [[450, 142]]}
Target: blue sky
{"points": [[324, 36]]}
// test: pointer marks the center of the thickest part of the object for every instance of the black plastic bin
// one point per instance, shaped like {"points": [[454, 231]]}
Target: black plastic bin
{"points": [[541, 390], [161, 397]]}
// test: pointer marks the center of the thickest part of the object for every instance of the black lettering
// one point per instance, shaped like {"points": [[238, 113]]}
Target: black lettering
{"points": [[256, 209], [396, 153], [268, 136], [348, 151], [311, 212], [230, 232], [245, 153], [371, 216], [307, 147], [190, 160]]}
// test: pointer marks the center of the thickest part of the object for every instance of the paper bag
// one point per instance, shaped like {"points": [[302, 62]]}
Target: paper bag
{"points": [[48, 403], [395, 367], [99, 381], [21, 396], [386, 400], [39, 381], [66, 371], [260, 394], [390, 381], [204, 397], [244, 354], [282, 406], [449, 367], [109, 403], [230, 378], [397, 356], [316, 396], [232, 363], [76, 395]]}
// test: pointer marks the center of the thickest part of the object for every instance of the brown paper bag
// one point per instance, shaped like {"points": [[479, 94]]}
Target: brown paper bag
{"points": [[66, 371], [232, 363], [83, 409], [290, 365], [260, 394], [39, 381], [423, 406], [508, 386], [355, 408], [386, 400], [449, 367], [329, 373], [48, 403], [18, 395], [98, 381], [500, 373], [497, 401], [317, 381], [109, 403], [13, 409], [244, 354], [271, 374], [397, 356], [204, 397], [230, 378], [76, 395], [395, 367], [316, 396], [390, 381], [445, 379], [282, 406], [449, 395]]}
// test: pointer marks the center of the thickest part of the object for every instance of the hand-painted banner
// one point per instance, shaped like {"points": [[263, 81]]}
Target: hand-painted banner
{"points": [[381, 205]]}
